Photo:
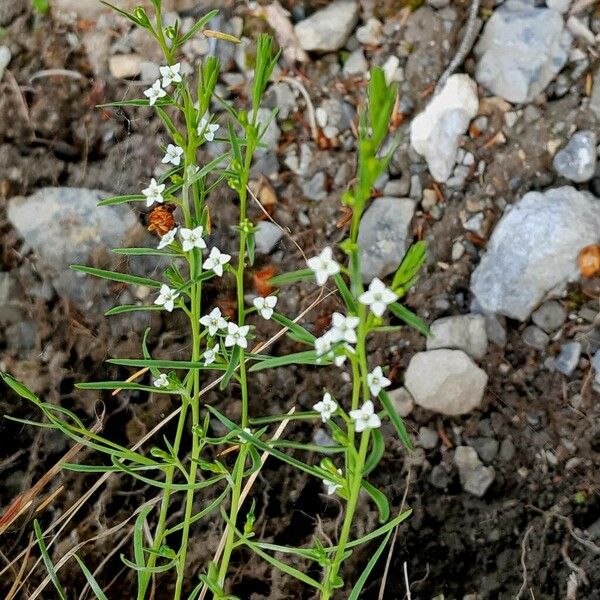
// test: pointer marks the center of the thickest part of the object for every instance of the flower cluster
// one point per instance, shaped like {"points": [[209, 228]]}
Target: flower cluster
{"points": [[170, 74]]}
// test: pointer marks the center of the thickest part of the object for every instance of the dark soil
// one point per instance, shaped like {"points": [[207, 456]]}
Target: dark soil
{"points": [[522, 539]]}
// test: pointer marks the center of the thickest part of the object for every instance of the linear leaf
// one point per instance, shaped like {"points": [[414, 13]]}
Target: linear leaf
{"points": [[396, 419], [100, 595], [125, 385], [409, 318], [114, 276], [143, 252], [162, 364], [296, 331], [308, 357], [47, 560], [383, 506], [127, 308], [114, 200], [293, 277], [360, 582]]}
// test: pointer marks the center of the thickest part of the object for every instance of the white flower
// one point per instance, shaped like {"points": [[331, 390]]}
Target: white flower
{"points": [[207, 128], [154, 192], [344, 327], [377, 381], [173, 155], [237, 335], [192, 238], [323, 346], [155, 92], [167, 239], [331, 486], [210, 354], [171, 74], [326, 407], [323, 265], [265, 306], [377, 297], [214, 321], [166, 297], [365, 417], [215, 261], [161, 381]]}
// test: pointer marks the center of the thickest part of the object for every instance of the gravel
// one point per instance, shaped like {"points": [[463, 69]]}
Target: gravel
{"points": [[533, 250], [435, 132], [474, 477], [445, 381], [534, 337], [384, 235], [549, 316], [568, 359], [462, 332], [577, 160], [328, 29], [266, 237], [521, 50], [5, 58]]}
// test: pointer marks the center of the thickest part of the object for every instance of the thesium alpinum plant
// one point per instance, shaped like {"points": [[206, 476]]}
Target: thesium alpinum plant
{"points": [[222, 348]]}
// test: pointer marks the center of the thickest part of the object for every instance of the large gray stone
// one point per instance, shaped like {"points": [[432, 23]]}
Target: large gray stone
{"points": [[383, 235], [65, 226], [521, 49], [577, 160], [445, 381], [328, 29], [461, 332], [532, 253], [435, 132]]}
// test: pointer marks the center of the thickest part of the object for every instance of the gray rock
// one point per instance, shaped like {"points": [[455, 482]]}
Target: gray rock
{"points": [[595, 98], [568, 359], [462, 332], [445, 381], [474, 477], [577, 160], [428, 438], [561, 6], [65, 226], [507, 450], [383, 235], [266, 237], [402, 400], [328, 29], [371, 33], [314, 188], [533, 251], [270, 139], [281, 96], [596, 362], [356, 63], [549, 316], [300, 165], [521, 49], [5, 57], [495, 329], [397, 188], [436, 131], [486, 448], [440, 476], [534, 337]]}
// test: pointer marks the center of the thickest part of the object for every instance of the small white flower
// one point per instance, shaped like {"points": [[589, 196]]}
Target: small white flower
{"points": [[326, 407], [265, 306], [377, 381], [167, 297], [323, 265], [161, 381], [344, 327], [323, 347], [154, 192], [214, 321], [155, 92], [170, 74], [173, 155], [365, 417], [215, 261], [210, 354], [207, 128], [167, 239], [236, 336], [377, 297], [192, 238], [331, 486]]}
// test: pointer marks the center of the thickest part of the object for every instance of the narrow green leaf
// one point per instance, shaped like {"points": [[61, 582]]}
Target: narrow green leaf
{"points": [[39, 536], [396, 419], [360, 582], [345, 293], [297, 416], [114, 276], [296, 331], [127, 308], [411, 264], [198, 516], [19, 388], [138, 550], [231, 367], [123, 13], [115, 200], [167, 122], [144, 252], [383, 506], [377, 449], [293, 277], [136, 102], [125, 385], [163, 364], [409, 318], [197, 26], [100, 595], [308, 357]]}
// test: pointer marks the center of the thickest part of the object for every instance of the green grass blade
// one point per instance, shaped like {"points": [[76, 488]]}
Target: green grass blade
{"points": [[358, 586], [100, 595], [309, 357], [383, 506], [396, 419], [124, 385], [293, 277], [127, 308], [409, 318], [164, 364], [115, 200], [47, 560], [143, 252], [376, 451], [114, 276]]}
